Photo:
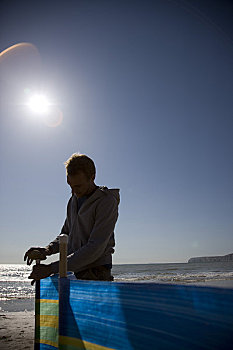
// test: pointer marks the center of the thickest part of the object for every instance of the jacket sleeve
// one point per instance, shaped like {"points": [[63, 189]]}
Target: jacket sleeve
{"points": [[106, 217], [53, 246]]}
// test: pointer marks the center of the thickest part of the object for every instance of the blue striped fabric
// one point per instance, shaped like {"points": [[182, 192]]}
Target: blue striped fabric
{"points": [[47, 314], [106, 315]]}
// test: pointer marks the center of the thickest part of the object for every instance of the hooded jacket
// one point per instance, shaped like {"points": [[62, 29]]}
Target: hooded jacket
{"points": [[90, 230]]}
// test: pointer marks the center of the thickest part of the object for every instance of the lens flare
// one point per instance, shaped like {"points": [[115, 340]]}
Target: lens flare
{"points": [[20, 49], [54, 117], [20, 66]]}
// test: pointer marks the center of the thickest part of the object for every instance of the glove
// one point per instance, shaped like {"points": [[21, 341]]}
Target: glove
{"points": [[40, 271], [35, 253]]}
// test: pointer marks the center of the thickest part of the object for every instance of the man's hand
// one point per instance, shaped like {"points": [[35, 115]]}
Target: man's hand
{"points": [[40, 271], [35, 253]]}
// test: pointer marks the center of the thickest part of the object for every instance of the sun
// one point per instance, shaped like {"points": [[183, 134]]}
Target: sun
{"points": [[43, 109], [39, 104]]}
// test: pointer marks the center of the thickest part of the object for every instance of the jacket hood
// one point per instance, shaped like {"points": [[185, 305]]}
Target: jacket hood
{"points": [[110, 191], [100, 192]]}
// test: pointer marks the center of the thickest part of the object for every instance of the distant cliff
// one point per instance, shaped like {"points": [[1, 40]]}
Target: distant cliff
{"points": [[206, 259]]}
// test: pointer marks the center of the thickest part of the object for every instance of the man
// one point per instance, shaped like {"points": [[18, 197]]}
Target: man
{"points": [[92, 213]]}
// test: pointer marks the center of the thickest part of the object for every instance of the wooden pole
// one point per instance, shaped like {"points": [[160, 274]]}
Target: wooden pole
{"points": [[63, 241], [37, 313]]}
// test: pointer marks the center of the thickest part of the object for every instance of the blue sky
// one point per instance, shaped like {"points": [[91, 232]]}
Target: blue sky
{"points": [[145, 89]]}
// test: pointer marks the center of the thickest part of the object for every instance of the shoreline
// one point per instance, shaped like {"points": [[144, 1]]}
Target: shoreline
{"points": [[17, 305], [17, 317]]}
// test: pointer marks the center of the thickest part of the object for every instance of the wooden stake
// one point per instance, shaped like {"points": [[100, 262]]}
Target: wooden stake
{"points": [[63, 241], [37, 312]]}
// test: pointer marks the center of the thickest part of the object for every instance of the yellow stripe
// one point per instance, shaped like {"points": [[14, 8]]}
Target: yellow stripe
{"points": [[79, 343], [48, 342], [47, 321], [47, 301]]}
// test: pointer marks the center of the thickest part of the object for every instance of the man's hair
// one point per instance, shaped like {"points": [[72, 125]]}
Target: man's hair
{"points": [[80, 162]]}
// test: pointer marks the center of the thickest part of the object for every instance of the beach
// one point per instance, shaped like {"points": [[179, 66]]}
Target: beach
{"points": [[17, 294], [17, 330], [17, 327], [17, 324]]}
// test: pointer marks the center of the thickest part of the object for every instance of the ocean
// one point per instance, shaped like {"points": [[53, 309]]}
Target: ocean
{"points": [[16, 292]]}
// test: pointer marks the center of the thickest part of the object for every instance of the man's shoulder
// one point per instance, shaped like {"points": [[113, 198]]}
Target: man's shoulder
{"points": [[111, 194], [103, 194]]}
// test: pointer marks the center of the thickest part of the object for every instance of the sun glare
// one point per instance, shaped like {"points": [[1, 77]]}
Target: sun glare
{"points": [[44, 110], [39, 104]]}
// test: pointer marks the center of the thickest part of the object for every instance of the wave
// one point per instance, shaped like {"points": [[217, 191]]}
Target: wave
{"points": [[14, 272], [14, 283], [12, 290], [175, 277]]}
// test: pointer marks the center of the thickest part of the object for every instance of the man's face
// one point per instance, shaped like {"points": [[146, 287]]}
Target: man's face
{"points": [[80, 184]]}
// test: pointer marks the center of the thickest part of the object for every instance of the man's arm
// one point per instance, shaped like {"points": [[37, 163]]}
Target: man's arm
{"points": [[52, 247], [42, 271]]}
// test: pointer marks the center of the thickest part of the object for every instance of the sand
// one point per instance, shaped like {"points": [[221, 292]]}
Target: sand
{"points": [[17, 326], [17, 330]]}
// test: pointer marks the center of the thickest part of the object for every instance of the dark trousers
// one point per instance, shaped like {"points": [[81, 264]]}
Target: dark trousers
{"points": [[98, 273]]}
